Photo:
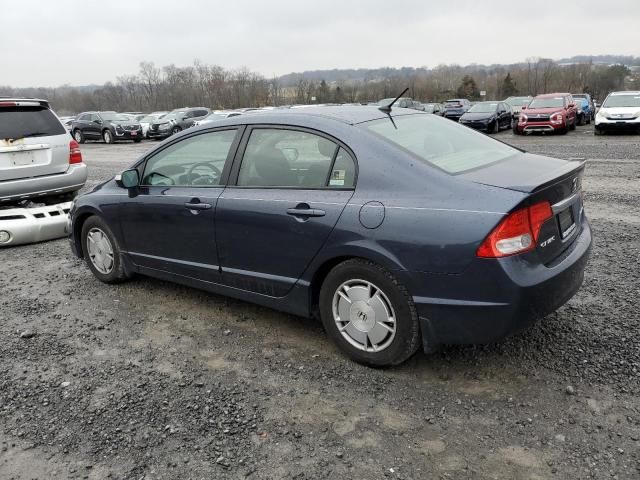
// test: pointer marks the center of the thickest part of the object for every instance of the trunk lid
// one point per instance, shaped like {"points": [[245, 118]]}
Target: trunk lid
{"points": [[554, 180]]}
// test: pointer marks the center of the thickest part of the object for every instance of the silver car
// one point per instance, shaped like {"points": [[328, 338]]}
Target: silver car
{"points": [[39, 161]]}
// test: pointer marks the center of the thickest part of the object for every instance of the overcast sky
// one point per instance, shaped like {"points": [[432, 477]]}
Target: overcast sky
{"points": [[78, 42]]}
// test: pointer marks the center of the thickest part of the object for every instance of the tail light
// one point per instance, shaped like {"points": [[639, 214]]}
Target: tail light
{"points": [[517, 233], [75, 155]]}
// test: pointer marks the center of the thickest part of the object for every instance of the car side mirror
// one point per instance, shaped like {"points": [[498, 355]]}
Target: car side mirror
{"points": [[128, 179], [524, 107]]}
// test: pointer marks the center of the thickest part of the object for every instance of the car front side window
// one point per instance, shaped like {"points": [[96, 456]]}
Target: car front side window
{"points": [[290, 158], [196, 161]]}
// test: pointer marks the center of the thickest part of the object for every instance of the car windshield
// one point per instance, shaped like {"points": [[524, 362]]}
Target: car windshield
{"points": [[631, 100], [115, 117], [215, 116], [150, 118], [168, 116], [21, 122], [517, 101], [546, 102], [484, 108], [439, 142]]}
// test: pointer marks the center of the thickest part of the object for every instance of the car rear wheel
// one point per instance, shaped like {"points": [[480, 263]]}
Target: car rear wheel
{"points": [[369, 314], [107, 136], [78, 136], [496, 127], [101, 251]]}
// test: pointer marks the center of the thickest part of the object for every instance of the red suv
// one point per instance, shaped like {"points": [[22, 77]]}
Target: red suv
{"points": [[552, 112]]}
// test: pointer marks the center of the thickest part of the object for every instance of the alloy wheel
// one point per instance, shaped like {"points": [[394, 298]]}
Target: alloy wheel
{"points": [[100, 251], [364, 315]]}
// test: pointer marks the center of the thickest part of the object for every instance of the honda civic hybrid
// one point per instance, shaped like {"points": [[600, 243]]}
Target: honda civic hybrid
{"points": [[398, 229]]}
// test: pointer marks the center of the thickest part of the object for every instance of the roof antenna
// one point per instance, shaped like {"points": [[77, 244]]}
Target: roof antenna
{"points": [[387, 108]]}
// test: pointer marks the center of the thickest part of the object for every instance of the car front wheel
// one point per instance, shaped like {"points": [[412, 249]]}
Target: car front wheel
{"points": [[176, 130], [369, 314], [107, 136], [101, 251]]}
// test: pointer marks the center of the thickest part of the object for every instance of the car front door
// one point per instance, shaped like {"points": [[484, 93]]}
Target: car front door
{"points": [[93, 128], [291, 187], [168, 225]]}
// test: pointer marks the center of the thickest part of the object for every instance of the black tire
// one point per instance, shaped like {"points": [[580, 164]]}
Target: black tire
{"points": [[407, 339], [117, 273], [107, 136], [496, 127], [563, 131], [572, 125], [137, 140], [515, 130], [61, 198], [580, 120], [78, 136], [176, 130], [597, 131]]}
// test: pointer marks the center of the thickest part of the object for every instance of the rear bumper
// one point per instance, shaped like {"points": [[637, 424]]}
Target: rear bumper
{"points": [[30, 225], [509, 295], [26, 188]]}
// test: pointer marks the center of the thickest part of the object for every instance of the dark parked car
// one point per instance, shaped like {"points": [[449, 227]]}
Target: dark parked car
{"points": [[176, 121], [488, 116], [435, 108], [455, 108], [399, 229], [516, 104], [106, 126]]}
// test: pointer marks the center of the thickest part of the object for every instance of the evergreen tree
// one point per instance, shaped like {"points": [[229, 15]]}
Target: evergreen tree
{"points": [[468, 88], [509, 88]]}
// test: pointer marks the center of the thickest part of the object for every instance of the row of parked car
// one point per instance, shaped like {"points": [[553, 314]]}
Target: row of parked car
{"points": [[493, 116]]}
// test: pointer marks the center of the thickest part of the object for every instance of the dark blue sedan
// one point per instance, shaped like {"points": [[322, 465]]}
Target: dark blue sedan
{"points": [[398, 229]]}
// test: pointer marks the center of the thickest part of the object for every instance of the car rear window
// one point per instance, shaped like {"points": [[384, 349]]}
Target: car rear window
{"points": [[442, 143], [20, 122]]}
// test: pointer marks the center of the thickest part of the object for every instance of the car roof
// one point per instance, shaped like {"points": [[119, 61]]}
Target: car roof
{"points": [[350, 115], [626, 92], [551, 95]]}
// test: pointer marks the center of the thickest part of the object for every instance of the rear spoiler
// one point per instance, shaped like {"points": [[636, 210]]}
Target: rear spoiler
{"points": [[23, 102]]}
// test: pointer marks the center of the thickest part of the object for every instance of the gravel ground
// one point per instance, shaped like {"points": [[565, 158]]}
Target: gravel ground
{"points": [[157, 381]]}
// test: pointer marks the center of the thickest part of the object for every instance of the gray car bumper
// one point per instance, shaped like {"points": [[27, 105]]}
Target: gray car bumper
{"points": [[25, 188], [30, 225]]}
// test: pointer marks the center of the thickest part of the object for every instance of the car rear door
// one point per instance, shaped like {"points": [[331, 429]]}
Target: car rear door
{"points": [[33, 141], [168, 225], [288, 187]]}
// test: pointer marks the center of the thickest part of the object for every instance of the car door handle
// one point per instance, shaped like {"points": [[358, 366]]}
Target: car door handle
{"points": [[306, 212], [197, 206]]}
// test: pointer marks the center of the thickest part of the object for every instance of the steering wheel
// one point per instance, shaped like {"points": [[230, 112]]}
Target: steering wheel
{"points": [[204, 179], [169, 180]]}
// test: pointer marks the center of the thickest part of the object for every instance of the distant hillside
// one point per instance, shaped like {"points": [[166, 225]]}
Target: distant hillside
{"points": [[367, 74]]}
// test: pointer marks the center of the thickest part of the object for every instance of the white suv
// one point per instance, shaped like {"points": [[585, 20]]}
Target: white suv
{"points": [[38, 159], [619, 111]]}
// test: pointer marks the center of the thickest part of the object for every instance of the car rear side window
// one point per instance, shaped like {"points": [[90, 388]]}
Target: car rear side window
{"points": [[21, 122], [292, 158], [196, 161], [439, 142]]}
